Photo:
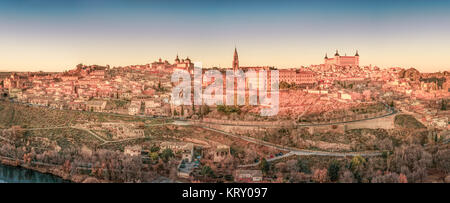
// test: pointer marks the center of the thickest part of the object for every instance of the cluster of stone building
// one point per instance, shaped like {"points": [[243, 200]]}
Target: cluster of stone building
{"points": [[89, 88], [146, 88]]}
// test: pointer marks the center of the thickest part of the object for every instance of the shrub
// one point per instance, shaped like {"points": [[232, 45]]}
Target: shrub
{"points": [[167, 154], [333, 171], [303, 166], [264, 166], [207, 171], [228, 109]]}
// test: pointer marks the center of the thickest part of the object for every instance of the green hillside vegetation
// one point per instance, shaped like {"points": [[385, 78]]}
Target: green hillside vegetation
{"points": [[407, 121], [66, 137], [36, 117]]}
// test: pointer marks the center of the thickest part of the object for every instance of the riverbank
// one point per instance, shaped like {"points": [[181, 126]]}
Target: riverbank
{"points": [[58, 171], [16, 174], [52, 170]]}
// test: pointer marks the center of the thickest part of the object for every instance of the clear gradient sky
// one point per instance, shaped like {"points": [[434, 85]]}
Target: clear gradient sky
{"points": [[56, 35]]}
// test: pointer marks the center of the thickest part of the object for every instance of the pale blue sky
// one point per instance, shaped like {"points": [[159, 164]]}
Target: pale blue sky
{"points": [[57, 35]]}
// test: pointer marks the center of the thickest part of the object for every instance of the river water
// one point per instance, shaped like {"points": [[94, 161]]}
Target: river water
{"points": [[10, 174]]}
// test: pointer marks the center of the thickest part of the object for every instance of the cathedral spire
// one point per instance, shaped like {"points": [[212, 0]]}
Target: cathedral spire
{"points": [[326, 56], [235, 60], [337, 53], [356, 53], [177, 60]]}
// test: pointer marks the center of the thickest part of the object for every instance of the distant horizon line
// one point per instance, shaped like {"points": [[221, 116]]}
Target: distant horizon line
{"points": [[164, 57], [298, 67], [219, 66]]}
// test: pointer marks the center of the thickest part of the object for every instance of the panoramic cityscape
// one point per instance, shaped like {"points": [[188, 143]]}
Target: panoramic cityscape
{"points": [[112, 114]]}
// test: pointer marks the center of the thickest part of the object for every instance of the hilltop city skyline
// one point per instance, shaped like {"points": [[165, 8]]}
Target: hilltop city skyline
{"points": [[328, 57]]}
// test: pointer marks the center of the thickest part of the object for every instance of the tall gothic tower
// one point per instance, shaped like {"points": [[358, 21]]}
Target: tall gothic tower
{"points": [[235, 68], [235, 60]]}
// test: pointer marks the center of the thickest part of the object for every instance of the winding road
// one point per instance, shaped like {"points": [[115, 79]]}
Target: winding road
{"points": [[295, 151]]}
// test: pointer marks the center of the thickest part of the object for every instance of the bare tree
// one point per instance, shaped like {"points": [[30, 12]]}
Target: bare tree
{"points": [[442, 160], [320, 175], [347, 177], [388, 177], [412, 161]]}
